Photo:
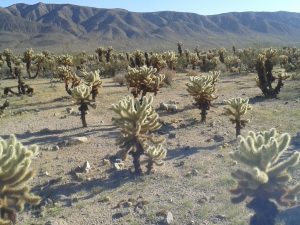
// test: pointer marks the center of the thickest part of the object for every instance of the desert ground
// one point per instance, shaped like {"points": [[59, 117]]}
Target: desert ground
{"points": [[193, 184]]}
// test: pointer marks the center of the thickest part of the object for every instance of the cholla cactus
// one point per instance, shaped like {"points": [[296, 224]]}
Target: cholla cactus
{"points": [[157, 61], [27, 58], [138, 58], [264, 67], [179, 47], [222, 52], [215, 76], [39, 60], [267, 176], [233, 63], [8, 59], [194, 60], [67, 75], [171, 59], [203, 90], [108, 53], [100, 52], [143, 80], [93, 79], [155, 154], [82, 94], [237, 108], [65, 60], [136, 122], [15, 172]]}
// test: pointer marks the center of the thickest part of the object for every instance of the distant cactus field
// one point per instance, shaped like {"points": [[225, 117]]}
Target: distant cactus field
{"points": [[184, 136]]}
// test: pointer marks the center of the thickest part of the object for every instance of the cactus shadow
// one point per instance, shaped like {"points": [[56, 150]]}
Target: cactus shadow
{"points": [[56, 190], [48, 137], [186, 151], [295, 143], [290, 216]]}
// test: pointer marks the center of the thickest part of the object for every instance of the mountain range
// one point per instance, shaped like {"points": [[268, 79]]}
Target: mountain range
{"points": [[66, 27]]}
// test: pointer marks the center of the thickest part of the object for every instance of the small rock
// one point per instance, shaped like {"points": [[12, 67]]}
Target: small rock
{"points": [[74, 141], [69, 110], [45, 173], [56, 222], [79, 176], [55, 148], [121, 214], [105, 199], [37, 110], [203, 199], [163, 106], [119, 166], [195, 172], [172, 108], [172, 135], [169, 218], [221, 217], [86, 167], [45, 131], [218, 138]]}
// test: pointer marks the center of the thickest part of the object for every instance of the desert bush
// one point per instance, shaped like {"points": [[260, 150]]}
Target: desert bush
{"points": [[169, 76], [120, 79], [192, 73]]}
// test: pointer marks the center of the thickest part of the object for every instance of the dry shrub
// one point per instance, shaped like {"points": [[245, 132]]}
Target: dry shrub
{"points": [[192, 73], [120, 79], [169, 76]]}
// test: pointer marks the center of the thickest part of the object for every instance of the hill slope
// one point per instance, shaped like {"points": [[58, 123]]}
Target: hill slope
{"points": [[54, 26]]}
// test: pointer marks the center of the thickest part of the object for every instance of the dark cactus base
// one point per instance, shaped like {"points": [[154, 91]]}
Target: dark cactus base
{"points": [[265, 211], [83, 109]]}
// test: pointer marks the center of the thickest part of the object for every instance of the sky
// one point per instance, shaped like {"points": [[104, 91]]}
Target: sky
{"points": [[207, 7]]}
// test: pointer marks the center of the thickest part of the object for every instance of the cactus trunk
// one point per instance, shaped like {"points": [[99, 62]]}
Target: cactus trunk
{"points": [[8, 214], [238, 127], [83, 109], [150, 166], [203, 115], [265, 211], [136, 155]]}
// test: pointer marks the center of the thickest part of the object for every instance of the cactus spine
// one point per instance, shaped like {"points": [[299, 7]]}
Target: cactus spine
{"points": [[237, 108], [136, 122], [15, 172], [266, 178]]}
